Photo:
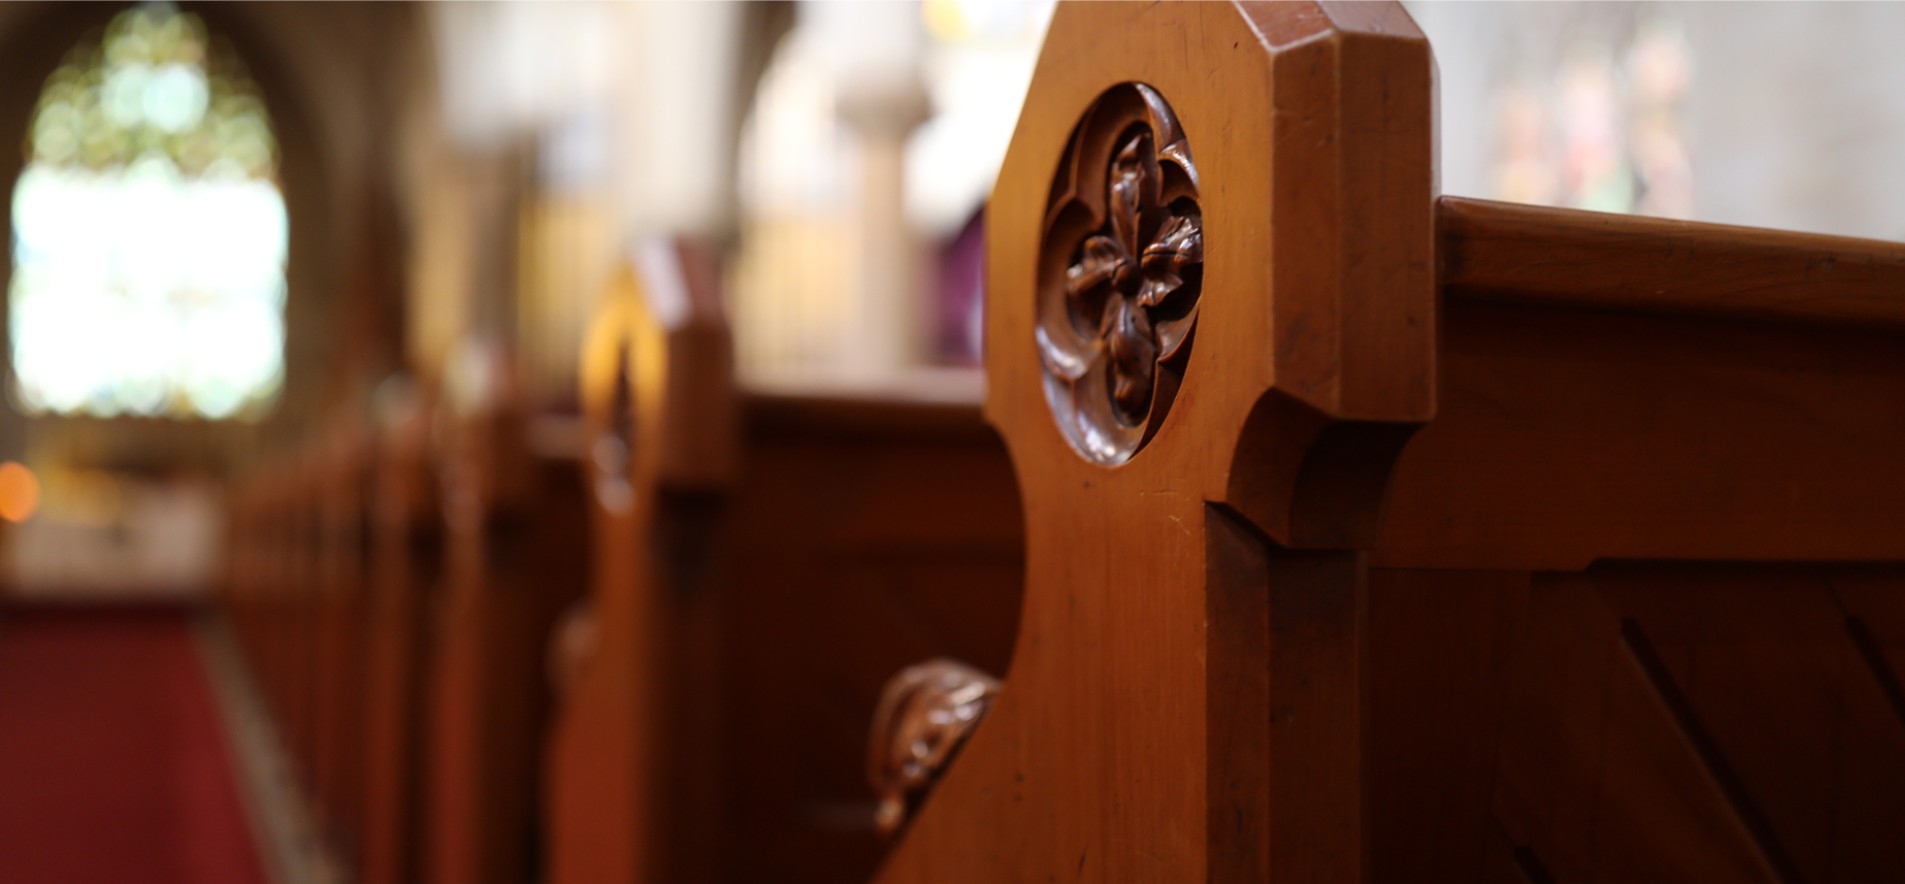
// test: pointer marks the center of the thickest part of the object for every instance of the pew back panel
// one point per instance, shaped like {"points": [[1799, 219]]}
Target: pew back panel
{"points": [[1652, 512], [1635, 721], [866, 534]]}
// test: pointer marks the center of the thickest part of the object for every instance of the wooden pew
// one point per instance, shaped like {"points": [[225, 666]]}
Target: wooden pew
{"points": [[342, 472], [294, 595], [293, 607], [632, 790], [271, 580], [299, 615], [395, 600], [406, 563], [514, 557], [781, 555], [248, 563], [1371, 535], [870, 532]]}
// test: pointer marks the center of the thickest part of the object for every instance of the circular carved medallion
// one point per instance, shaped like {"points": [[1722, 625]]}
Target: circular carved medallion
{"points": [[1120, 270]]}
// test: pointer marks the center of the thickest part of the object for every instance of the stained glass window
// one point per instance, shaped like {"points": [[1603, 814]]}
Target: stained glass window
{"points": [[149, 231], [1593, 114]]}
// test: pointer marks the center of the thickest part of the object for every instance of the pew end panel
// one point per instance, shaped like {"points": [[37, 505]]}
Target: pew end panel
{"points": [[515, 556], [406, 569], [633, 782], [301, 613], [342, 500], [1211, 326]]}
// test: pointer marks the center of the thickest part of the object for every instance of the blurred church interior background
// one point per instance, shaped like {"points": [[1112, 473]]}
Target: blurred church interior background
{"points": [[316, 206], [233, 225]]}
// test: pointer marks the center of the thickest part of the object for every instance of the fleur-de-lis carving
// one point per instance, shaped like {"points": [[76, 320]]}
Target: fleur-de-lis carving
{"points": [[1124, 221]]}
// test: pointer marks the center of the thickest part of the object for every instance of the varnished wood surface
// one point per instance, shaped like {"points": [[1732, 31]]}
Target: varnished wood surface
{"points": [[859, 541], [765, 560], [634, 777], [1634, 722], [300, 615], [1566, 436], [1605, 644], [1184, 696], [1542, 255], [406, 555], [342, 535], [871, 416], [514, 558], [1481, 542]]}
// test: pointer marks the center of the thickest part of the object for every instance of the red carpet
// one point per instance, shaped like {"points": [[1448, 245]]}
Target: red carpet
{"points": [[114, 766]]}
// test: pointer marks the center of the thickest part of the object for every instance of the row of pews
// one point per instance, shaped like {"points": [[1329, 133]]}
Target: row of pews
{"points": [[392, 585], [472, 622], [1312, 526]]}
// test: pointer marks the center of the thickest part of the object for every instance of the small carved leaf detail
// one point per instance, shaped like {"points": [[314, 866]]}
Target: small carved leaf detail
{"points": [[926, 712], [1179, 244], [1157, 287], [1127, 194], [1133, 352], [1102, 262]]}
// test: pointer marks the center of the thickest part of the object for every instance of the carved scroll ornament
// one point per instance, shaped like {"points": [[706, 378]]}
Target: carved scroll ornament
{"points": [[1120, 271], [925, 713]]}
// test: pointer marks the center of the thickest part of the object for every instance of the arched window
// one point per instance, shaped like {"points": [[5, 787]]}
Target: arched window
{"points": [[149, 232]]}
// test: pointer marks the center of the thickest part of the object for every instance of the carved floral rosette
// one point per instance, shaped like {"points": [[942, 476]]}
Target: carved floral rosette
{"points": [[926, 712], [1120, 270]]}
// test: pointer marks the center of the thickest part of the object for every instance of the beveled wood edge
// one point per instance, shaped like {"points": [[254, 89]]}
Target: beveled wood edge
{"points": [[1567, 257]]}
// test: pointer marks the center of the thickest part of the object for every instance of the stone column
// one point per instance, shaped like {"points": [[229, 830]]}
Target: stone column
{"points": [[888, 286]]}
